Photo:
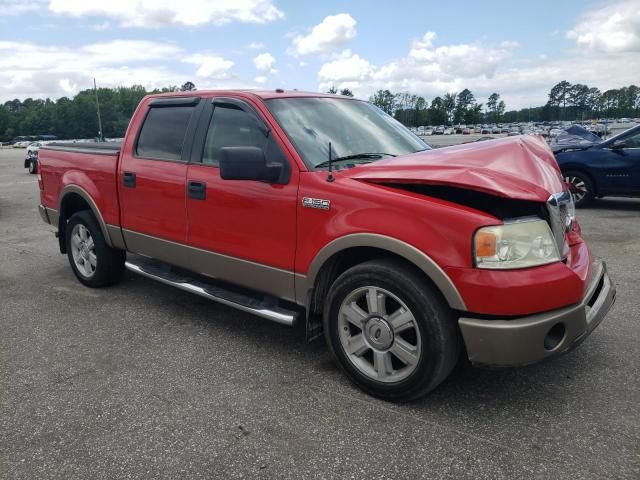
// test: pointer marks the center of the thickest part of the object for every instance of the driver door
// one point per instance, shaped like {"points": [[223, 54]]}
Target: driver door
{"points": [[247, 228]]}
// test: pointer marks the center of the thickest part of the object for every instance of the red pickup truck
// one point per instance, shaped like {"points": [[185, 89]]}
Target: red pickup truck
{"points": [[323, 210]]}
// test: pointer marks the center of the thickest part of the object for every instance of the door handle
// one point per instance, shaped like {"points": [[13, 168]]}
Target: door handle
{"points": [[129, 179], [197, 190]]}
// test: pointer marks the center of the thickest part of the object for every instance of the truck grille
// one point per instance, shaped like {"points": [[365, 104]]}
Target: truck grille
{"points": [[561, 214]]}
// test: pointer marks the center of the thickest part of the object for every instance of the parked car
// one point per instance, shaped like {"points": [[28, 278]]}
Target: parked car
{"points": [[325, 211], [595, 168], [486, 130], [466, 131], [496, 129], [513, 132], [428, 132], [439, 131], [448, 131], [31, 159]]}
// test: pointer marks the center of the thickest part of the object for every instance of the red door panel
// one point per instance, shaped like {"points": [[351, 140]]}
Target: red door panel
{"points": [[156, 205], [245, 219]]}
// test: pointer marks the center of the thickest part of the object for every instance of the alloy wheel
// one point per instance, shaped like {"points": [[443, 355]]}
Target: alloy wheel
{"points": [[379, 334], [83, 250], [577, 187]]}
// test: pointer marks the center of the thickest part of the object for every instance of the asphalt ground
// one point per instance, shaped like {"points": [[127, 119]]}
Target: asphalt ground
{"points": [[144, 381]]}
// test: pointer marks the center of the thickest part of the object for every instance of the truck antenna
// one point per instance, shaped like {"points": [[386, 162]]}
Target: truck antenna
{"points": [[330, 178], [100, 135]]}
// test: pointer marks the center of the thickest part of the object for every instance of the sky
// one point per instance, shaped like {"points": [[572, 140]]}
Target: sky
{"points": [[54, 48]]}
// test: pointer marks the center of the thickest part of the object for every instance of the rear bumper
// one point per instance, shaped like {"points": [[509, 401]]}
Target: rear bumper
{"points": [[531, 339]]}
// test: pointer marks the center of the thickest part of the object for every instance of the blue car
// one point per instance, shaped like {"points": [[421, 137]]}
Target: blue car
{"points": [[596, 168]]}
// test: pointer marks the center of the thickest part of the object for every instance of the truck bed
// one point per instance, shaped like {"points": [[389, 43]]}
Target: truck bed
{"points": [[92, 165]]}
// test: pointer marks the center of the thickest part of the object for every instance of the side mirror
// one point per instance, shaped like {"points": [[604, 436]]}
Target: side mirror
{"points": [[247, 163], [618, 144]]}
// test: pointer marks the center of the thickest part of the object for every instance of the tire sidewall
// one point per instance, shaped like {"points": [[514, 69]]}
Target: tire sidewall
{"points": [[429, 317]]}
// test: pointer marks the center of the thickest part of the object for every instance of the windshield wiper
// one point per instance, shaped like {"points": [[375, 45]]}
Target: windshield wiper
{"points": [[355, 156]]}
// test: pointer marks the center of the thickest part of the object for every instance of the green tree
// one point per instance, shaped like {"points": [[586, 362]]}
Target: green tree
{"points": [[385, 100], [188, 87], [449, 103], [346, 92], [438, 112], [333, 90], [492, 105]]}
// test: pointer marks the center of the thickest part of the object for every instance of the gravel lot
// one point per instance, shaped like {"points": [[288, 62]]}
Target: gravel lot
{"points": [[144, 381]]}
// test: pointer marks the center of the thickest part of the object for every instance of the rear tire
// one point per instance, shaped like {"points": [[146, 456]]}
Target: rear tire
{"points": [[390, 330], [94, 263], [33, 167], [581, 187]]}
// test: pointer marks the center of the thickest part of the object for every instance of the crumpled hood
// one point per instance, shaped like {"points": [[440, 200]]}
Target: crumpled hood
{"points": [[522, 168]]}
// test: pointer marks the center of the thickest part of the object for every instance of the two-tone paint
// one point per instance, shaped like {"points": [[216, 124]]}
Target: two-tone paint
{"points": [[268, 238]]}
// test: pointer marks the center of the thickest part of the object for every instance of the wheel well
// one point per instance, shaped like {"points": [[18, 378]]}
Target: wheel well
{"points": [[585, 173], [71, 203], [342, 261]]}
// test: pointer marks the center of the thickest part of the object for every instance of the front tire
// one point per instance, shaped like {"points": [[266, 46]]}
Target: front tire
{"points": [[94, 263], [33, 167], [390, 330], [581, 187]]}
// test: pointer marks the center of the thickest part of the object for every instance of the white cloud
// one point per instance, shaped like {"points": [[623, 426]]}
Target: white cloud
{"points": [[255, 46], [348, 67], [19, 7], [265, 62], [429, 69], [331, 33], [210, 66], [158, 13], [38, 71], [611, 28], [261, 80]]}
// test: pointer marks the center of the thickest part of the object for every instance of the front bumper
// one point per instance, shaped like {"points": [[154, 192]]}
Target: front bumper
{"points": [[531, 339]]}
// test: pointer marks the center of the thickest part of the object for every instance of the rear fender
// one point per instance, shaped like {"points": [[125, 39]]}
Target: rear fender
{"points": [[89, 193]]}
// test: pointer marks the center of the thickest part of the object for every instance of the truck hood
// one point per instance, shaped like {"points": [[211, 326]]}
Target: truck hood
{"points": [[521, 168]]}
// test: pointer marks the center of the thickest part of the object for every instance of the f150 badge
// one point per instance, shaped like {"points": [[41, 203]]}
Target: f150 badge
{"points": [[316, 203]]}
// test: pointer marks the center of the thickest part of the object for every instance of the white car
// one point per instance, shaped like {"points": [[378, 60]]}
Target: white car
{"points": [[31, 160], [448, 131]]}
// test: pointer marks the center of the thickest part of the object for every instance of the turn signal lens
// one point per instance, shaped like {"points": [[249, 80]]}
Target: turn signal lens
{"points": [[485, 244]]}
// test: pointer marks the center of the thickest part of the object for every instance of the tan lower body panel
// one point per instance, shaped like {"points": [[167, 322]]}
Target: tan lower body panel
{"points": [[115, 235], [270, 280]]}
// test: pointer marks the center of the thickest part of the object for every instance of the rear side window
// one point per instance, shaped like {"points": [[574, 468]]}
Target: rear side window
{"points": [[230, 127], [163, 132]]}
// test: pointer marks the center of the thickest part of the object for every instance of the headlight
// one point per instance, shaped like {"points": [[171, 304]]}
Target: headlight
{"points": [[520, 244]]}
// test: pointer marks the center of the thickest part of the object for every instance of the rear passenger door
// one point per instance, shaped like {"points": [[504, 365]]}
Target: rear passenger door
{"points": [[248, 227], [152, 175]]}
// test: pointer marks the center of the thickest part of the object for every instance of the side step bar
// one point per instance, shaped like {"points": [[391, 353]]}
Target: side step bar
{"points": [[262, 306]]}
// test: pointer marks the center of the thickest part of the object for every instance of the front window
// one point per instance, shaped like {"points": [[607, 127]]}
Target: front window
{"points": [[353, 127]]}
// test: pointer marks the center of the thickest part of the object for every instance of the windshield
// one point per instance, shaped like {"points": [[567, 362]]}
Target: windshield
{"points": [[353, 127]]}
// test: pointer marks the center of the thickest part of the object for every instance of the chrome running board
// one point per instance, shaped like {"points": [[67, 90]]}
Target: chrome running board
{"points": [[262, 306]]}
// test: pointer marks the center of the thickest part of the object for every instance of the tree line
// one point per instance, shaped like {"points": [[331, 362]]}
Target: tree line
{"points": [[565, 102], [76, 117]]}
